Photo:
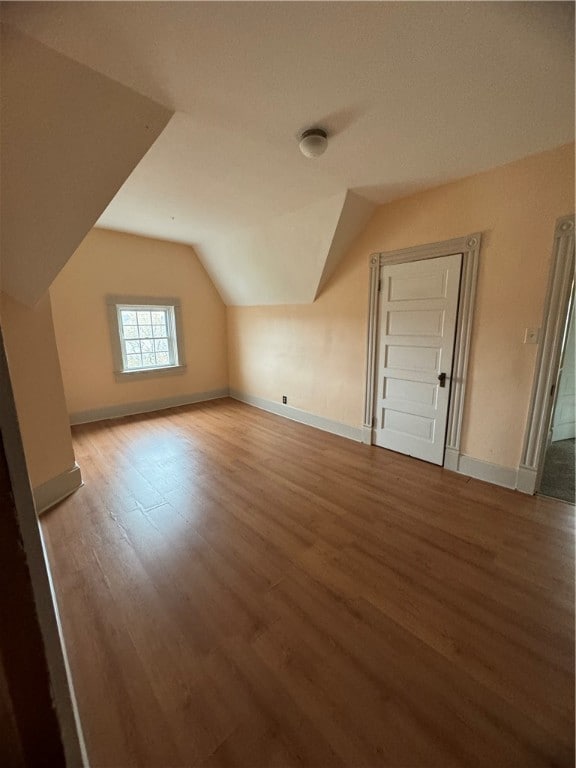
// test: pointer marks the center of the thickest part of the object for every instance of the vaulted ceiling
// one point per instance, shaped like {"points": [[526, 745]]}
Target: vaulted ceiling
{"points": [[69, 138], [412, 95]]}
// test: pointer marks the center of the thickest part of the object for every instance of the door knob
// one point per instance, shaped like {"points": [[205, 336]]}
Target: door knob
{"points": [[442, 379]]}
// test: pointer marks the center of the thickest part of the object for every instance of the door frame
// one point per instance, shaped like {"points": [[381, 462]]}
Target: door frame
{"points": [[469, 247], [549, 354]]}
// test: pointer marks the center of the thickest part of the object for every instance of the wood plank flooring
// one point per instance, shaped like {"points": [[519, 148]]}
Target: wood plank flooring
{"points": [[240, 590]]}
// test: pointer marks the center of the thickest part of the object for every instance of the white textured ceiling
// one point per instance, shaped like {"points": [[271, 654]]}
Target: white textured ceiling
{"points": [[413, 94]]}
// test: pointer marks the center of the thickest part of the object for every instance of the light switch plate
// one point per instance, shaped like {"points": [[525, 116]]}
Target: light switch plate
{"points": [[531, 335]]}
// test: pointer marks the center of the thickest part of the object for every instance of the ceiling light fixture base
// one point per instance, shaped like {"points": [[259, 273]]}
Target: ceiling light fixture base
{"points": [[313, 142]]}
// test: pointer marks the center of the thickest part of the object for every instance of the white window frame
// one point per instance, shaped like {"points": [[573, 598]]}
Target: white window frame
{"points": [[171, 335], [172, 308]]}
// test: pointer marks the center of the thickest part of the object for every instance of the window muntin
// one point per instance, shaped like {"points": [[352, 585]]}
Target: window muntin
{"points": [[147, 337]]}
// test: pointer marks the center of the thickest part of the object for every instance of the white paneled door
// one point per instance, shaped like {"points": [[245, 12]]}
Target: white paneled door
{"points": [[417, 325]]}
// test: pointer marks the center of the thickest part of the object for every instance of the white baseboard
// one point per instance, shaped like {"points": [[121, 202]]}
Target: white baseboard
{"points": [[146, 406], [457, 462], [56, 489], [484, 470], [451, 459], [304, 417], [367, 437], [47, 495], [507, 477], [526, 480]]}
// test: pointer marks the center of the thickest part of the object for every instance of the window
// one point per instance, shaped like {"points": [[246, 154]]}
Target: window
{"points": [[146, 336]]}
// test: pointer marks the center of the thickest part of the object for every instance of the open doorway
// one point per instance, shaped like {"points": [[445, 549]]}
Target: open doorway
{"points": [[558, 471], [550, 361]]}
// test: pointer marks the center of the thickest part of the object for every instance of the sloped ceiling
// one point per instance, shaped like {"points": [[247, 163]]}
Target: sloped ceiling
{"points": [[354, 216], [69, 138], [412, 94], [278, 262], [288, 258]]}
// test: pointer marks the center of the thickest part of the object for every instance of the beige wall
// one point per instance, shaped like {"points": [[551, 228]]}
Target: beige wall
{"points": [[315, 354], [69, 138], [38, 392], [115, 263]]}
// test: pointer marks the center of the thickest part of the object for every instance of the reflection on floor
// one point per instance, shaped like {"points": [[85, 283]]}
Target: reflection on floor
{"points": [[558, 475], [241, 591]]}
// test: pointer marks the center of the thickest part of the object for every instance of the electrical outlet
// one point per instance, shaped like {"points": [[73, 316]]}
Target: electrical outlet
{"points": [[284, 399], [531, 335]]}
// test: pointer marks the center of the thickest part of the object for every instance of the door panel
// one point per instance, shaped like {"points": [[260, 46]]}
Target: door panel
{"points": [[412, 323], [417, 392], [415, 287], [411, 358], [417, 326]]}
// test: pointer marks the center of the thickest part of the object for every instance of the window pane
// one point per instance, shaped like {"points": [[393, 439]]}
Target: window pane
{"points": [[162, 358], [130, 331], [133, 361], [132, 347], [128, 317], [148, 337]]}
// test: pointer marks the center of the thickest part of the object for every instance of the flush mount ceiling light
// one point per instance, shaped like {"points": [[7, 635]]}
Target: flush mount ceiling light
{"points": [[313, 142]]}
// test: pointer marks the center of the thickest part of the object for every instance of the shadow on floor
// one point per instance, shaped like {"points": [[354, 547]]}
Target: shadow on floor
{"points": [[558, 476]]}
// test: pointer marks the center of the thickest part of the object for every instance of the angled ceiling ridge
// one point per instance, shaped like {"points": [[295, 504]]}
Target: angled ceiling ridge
{"points": [[55, 195], [279, 262]]}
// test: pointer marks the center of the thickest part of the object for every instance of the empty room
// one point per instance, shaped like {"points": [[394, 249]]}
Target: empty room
{"points": [[287, 384]]}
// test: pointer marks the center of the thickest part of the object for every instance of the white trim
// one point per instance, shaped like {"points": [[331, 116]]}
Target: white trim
{"points": [[481, 470], [303, 417], [469, 247], [139, 374], [57, 488], [455, 461], [176, 339], [171, 340], [549, 352], [371, 343], [367, 435], [490, 473], [451, 458], [526, 480], [43, 588], [146, 406]]}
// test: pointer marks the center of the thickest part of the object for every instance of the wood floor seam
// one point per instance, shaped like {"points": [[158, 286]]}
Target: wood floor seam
{"points": [[240, 591]]}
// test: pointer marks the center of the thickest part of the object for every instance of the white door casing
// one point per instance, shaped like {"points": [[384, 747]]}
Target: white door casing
{"points": [[549, 353], [418, 306], [469, 246]]}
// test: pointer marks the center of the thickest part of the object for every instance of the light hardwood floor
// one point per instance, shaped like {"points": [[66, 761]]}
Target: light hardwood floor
{"points": [[240, 590]]}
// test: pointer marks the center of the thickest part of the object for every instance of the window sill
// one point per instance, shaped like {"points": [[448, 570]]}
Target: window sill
{"points": [[150, 373]]}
